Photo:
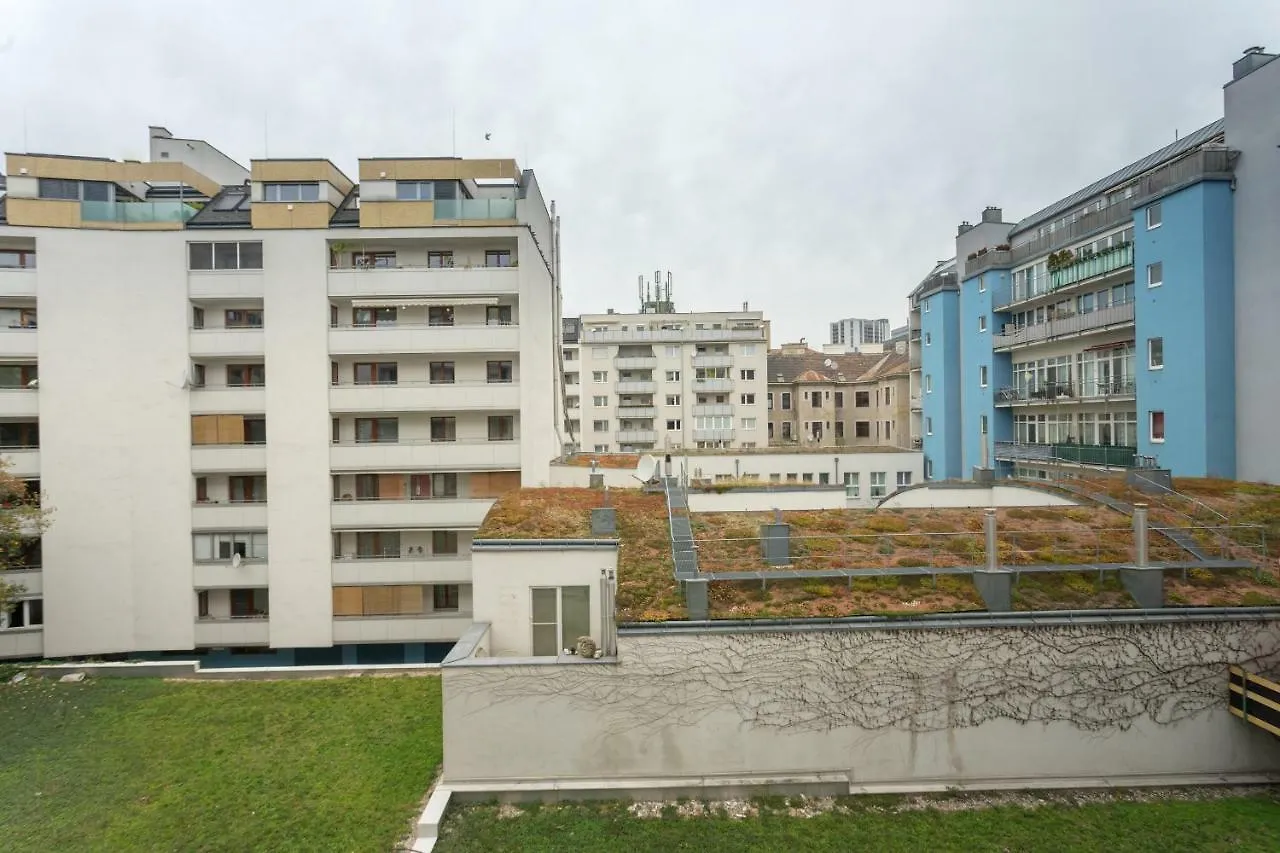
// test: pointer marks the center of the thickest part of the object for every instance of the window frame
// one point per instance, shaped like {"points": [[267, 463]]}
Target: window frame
{"points": [[1154, 207], [1153, 417], [1155, 267], [1154, 344]]}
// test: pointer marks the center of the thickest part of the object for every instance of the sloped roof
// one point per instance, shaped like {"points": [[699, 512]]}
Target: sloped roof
{"points": [[811, 366], [228, 209]]}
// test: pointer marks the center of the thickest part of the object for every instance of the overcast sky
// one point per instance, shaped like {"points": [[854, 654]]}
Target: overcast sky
{"points": [[811, 158]]}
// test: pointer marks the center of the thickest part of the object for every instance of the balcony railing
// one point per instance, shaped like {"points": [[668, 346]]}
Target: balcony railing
{"points": [[1057, 392], [1104, 263], [475, 208], [712, 385], [1098, 220], [636, 386], [1102, 455], [713, 435], [637, 436], [1210, 163], [702, 409], [1069, 324], [636, 412], [136, 212], [608, 336], [635, 362], [986, 260], [713, 361]]}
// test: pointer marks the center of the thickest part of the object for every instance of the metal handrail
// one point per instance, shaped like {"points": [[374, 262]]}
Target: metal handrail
{"points": [[355, 442], [382, 326]]}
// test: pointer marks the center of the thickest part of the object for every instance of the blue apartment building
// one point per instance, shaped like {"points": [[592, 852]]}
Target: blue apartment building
{"points": [[1132, 323]]}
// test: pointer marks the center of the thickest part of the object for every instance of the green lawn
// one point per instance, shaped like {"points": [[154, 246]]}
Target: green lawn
{"points": [[141, 764], [1237, 824]]}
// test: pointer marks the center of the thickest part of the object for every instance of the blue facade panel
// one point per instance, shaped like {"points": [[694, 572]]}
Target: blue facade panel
{"points": [[981, 373], [940, 378], [1191, 314]]}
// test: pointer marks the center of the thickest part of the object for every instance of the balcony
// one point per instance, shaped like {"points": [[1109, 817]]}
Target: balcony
{"points": [[22, 642], [226, 343], [411, 338], [228, 399], [228, 458], [24, 462], [232, 515], [1102, 267], [425, 396], [356, 571], [638, 413], [702, 409], [18, 342], [916, 404], [1090, 223], [637, 436], [233, 631], [615, 336], [433, 628], [712, 386], [713, 435], [424, 281], [1066, 325], [19, 282], [424, 454], [635, 362], [1101, 455], [31, 580], [987, 260], [137, 213], [636, 386], [19, 402], [225, 284], [712, 361], [459, 513], [1206, 163], [1052, 393], [474, 209], [222, 575]]}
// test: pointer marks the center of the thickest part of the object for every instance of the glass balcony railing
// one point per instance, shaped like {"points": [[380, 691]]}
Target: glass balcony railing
{"points": [[1095, 265], [1105, 455], [136, 212], [475, 208]]}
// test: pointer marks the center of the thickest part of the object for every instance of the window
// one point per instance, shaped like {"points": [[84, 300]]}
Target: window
{"points": [[786, 429], [291, 192], [374, 316], [415, 190], [247, 489], [600, 376], [197, 317], [246, 375], [439, 260], [373, 260], [221, 547], [861, 399], [600, 426], [502, 427], [372, 545], [560, 616], [815, 399], [255, 430], [839, 399], [748, 399], [376, 373], [878, 484], [673, 426], [1155, 274], [498, 371], [928, 384], [748, 423], [241, 318], [673, 376], [747, 349], [444, 596], [851, 483], [904, 479], [982, 376], [928, 426], [601, 448], [440, 315], [928, 339], [497, 315], [807, 477], [600, 401], [1157, 427], [982, 424], [225, 256], [202, 489], [747, 374], [888, 395], [27, 613], [20, 434], [17, 259], [982, 284], [862, 429], [58, 188], [982, 323], [672, 352], [924, 306], [673, 399], [497, 258], [839, 429], [786, 401], [1155, 353], [444, 542], [1155, 216], [444, 429], [378, 430]]}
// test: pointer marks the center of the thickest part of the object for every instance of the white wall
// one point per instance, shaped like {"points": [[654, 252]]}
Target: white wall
{"points": [[502, 578], [199, 155], [296, 326], [538, 367], [764, 501], [115, 441], [944, 496], [939, 706]]}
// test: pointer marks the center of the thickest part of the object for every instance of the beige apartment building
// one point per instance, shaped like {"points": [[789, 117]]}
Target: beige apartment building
{"points": [[823, 400]]}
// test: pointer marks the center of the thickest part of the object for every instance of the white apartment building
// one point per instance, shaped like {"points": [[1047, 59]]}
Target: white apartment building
{"points": [[853, 332], [269, 406], [659, 381]]}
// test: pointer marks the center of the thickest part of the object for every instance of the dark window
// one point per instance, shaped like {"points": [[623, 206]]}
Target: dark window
{"points": [[200, 256], [839, 399], [246, 375], [20, 434], [839, 429], [444, 429], [226, 256], [247, 489], [367, 487], [18, 375], [439, 260], [861, 399], [444, 485], [251, 255], [197, 375], [442, 372], [333, 373], [385, 430], [376, 373], [502, 428], [336, 432], [444, 597], [197, 317], [243, 318], [60, 189], [96, 190], [446, 189], [862, 429], [378, 544], [497, 259], [498, 315], [255, 430], [499, 371], [444, 542], [440, 315], [202, 489]]}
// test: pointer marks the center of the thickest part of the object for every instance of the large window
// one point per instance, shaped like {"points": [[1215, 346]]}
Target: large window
{"points": [[560, 616], [291, 192], [502, 428], [497, 315], [374, 316], [1155, 353], [245, 255], [27, 613], [415, 190], [71, 190], [441, 372], [20, 434], [444, 429], [862, 429], [878, 486], [377, 430], [497, 258], [1157, 427], [378, 544], [242, 318], [18, 375], [1155, 216], [222, 547], [444, 596], [444, 542], [246, 375], [17, 259], [246, 489], [377, 373], [440, 315], [439, 260], [498, 371]]}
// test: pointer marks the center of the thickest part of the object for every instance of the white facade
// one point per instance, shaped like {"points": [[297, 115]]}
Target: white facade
{"points": [[636, 382], [852, 333], [149, 509]]}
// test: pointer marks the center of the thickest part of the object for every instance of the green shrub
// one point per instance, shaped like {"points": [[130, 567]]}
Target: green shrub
{"points": [[910, 562]]}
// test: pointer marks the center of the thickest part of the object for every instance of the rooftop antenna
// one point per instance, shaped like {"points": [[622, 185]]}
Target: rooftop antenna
{"points": [[640, 288]]}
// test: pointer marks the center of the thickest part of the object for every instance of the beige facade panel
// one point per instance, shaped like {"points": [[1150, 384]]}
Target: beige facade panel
{"points": [[299, 171], [72, 168], [436, 169], [305, 214], [43, 212], [396, 214]]}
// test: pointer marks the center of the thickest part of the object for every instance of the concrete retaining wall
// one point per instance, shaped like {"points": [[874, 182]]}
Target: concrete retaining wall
{"points": [[960, 495]]}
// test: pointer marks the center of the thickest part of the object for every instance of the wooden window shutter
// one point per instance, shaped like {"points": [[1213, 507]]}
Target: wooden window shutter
{"points": [[409, 599], [390, 486], [480, 485], [379, 600], [348, 601], [230, 429], [204, 429], [501, 482]]}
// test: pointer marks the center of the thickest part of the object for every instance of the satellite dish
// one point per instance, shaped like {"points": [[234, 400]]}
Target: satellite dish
{"points": [[34, 383], [829, 363], [647, 469], [236, 561]]}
